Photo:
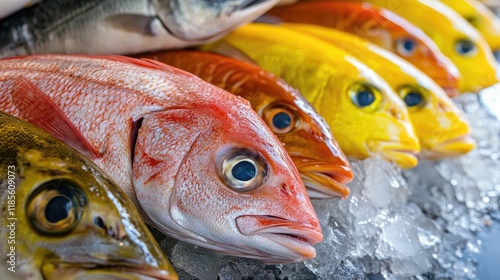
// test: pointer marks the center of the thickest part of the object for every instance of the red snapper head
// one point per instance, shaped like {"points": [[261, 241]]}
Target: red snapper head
{"points": [[216, 176]]}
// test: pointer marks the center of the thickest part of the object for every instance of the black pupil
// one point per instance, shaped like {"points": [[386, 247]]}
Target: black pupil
{"points": [[244, 171], [58, 209], [282, 120], [409, 45], [465, 47], [365, 98], [412, 99]]}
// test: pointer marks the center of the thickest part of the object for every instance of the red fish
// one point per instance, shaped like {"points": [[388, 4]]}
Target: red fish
{"points": [[324, 168], [382, 28], [198, 162]]}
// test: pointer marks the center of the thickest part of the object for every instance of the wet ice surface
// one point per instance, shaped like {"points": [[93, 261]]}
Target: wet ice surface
{"points": [[417, 224]]}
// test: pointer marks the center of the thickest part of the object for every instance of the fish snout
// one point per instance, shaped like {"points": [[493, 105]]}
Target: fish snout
{"points": [[324, 179], [294, 239]]}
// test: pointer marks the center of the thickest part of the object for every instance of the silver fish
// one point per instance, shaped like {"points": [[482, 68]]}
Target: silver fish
{"points": [[122, 27]]}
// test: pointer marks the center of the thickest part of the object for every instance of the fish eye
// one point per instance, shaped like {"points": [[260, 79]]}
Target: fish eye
{"points": [[465, 47], [412, 96], [56, 206], [243, 170], [365, 95], [280, 118], [406, 46]]}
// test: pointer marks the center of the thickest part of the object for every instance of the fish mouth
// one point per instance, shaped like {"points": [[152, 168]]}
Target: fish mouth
{"points": [[294, 240], [403, 154], [453, 147], [323, 179], [62, 270], [322, 184]]}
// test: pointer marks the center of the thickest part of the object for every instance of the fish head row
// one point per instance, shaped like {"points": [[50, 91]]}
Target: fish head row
{"points": [[70, 219], [454, 36], [307, 138], [366, 117], [381, 27], [440, 126]]}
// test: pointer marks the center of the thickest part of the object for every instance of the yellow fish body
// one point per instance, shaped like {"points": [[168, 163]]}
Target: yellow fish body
{"points": [[62, 218], [439, 125], [365, 115], [479, 16], [456, 38]]}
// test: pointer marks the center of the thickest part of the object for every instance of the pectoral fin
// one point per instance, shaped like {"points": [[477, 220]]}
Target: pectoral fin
{"points": [[37, 108]]}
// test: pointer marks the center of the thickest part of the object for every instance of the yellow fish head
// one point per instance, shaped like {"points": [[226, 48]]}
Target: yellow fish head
{"points": [[479, 16], [440, 126], [368, 119]]}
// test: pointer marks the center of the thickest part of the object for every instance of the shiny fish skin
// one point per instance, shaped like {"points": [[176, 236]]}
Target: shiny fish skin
{"points": [[186, 130], [440, 126], [119, 245], [323, 166], [121, 27], [330, 78], [381, 27], [453, 35]]}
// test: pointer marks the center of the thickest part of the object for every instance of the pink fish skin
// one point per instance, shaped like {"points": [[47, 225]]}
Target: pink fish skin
{"points": [[175, 144]]}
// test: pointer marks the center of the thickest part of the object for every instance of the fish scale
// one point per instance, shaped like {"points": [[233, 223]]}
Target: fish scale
{"points": [[188, 128]]}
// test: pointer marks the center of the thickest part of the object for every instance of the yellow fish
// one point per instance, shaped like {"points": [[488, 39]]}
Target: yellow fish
{"points": [[456, 38], [479, 16], [62, 218], [439, 125], [366, 117]]}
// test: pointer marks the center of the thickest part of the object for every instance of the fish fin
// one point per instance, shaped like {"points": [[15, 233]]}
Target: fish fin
{"points": [[134, 23], [144, 62], [37, 108], [269, 19], [226, 49]]}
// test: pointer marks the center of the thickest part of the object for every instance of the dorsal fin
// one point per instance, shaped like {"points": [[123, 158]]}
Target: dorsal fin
{"points": [[148, 63], [226, 49], [37, 108]]}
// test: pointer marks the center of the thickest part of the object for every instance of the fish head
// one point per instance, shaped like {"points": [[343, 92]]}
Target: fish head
{"points": [[481, 17], [195, 20], [413, 45], [439, 124], [368, 119], [308, 140], [72, 221], [217, 177]]}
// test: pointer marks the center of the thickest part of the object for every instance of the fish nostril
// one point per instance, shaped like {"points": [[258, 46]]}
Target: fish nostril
{"points": [[395, 113], [442, 107], [112, 230], [99, 223]]}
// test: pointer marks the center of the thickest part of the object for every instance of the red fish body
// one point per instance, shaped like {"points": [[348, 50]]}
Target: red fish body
{"points": [[322, 165], [199, 163], [381, 27]]}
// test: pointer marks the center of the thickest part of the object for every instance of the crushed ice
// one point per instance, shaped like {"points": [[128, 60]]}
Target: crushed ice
{"points": [[417, 224]]}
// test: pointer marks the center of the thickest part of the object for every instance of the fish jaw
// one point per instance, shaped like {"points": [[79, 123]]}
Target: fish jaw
{"points": [[454, 147], [195, 20], [403, 154], [296, 240], [323, 179]]}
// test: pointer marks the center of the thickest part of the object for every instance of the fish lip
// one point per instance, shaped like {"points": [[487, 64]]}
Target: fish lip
{"points": [[404, 154], [325, 183], [297, 237], [393, 146], [144, 272], [440, 149], [323, 179]]}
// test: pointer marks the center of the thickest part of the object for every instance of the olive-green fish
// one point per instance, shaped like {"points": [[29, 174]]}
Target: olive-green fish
{"points": [[62, 218], [456, 38], [366, 117], [439, 124]]}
